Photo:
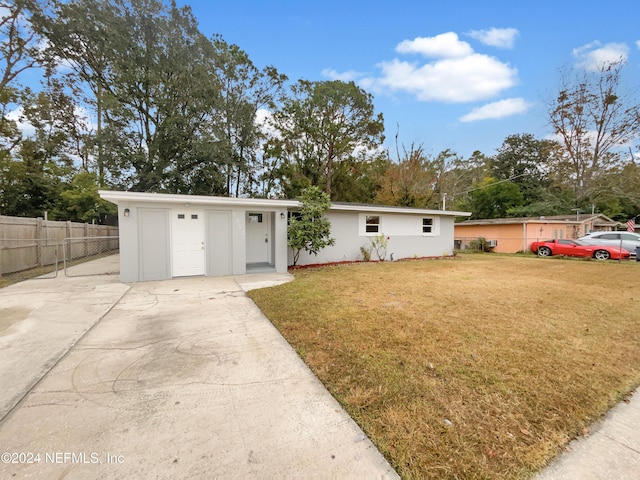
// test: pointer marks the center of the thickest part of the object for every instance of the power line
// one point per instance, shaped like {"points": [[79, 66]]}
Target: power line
{"points": [[496, 183]]}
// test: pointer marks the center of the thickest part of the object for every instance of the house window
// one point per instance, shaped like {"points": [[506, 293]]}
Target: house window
{"points": [[181, 216], [427, 225], [372, 224], [255, 218], [194, 216]]}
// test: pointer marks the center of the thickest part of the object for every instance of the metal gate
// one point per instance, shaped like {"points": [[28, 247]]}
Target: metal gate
{"points": [[91, 256]]}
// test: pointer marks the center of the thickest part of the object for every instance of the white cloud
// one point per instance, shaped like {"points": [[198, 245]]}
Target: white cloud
{"points": [[638, 44], [62, 65], [496, 37], [23, 125], [87, 120], [465, 79], [499, 109], [445, 45], [594, 56], [455, 74], [264, 120], [347, 76]]}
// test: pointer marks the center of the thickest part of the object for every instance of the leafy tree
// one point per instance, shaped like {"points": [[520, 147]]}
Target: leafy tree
{"points": [[526, 162], [42, 163], [460, 176], [357, 179], [320, 125], [310, 230], [493, 199], [409, 182], [593, 120], [619, 188], [30, 183], [150, 71], [18, 53], [82, 203], [243, 91]]}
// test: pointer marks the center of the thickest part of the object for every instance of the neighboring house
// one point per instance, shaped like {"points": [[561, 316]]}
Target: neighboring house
{"points": [[165, 235], [511, 235]]}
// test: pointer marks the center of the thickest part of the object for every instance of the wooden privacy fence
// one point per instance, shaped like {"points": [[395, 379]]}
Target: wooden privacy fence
{"points": [[34, 242]]}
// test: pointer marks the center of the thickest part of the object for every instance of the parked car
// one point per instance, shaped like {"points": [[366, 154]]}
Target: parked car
{"points": [[630, 240], [575, 248]]}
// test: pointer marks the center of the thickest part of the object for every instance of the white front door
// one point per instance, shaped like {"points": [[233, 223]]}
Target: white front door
{"points": [[187, 228], [258, 241]]}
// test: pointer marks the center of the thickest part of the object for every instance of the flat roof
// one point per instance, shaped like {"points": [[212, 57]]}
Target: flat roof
{"points": [[363, 207], [118, 197]]}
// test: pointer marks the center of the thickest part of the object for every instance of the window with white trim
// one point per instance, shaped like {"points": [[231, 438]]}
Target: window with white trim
{"points": [[372, 224], [427, 225]]}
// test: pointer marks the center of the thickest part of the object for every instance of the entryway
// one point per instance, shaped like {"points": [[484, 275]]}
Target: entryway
{"points": [[259, 242], [187, 228]]}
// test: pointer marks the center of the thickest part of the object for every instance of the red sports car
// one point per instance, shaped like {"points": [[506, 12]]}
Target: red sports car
{"points": [[576, 248]]}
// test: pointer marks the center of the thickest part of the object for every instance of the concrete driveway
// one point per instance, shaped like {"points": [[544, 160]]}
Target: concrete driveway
{"points": [[183, 378]]}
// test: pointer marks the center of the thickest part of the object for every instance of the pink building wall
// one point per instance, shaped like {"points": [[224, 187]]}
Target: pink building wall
{"points": [[516, 237]]}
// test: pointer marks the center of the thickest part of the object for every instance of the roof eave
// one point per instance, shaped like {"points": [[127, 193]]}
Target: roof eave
{"points": [[118, 197], [390, 209]]}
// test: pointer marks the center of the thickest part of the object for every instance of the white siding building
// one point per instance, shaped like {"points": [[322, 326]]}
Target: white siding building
{"points": [[164, 235], [410, 232]]}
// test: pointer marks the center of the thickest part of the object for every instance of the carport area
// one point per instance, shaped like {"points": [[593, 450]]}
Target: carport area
{"points": [[171, 379]]}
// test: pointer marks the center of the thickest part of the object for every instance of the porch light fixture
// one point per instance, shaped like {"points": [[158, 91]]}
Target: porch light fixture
{"points": [[282, 215], [126, 212]]}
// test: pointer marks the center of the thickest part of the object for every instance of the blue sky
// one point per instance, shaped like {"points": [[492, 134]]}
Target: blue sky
{"points": [[452, 74]]}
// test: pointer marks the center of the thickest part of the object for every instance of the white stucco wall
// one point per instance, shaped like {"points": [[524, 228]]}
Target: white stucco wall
{"points": [[130, 239], [402, 226], [404, 232]]}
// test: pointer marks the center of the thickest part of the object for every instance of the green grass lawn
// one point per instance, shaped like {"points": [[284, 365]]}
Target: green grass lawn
{"points": [[483, 366]]}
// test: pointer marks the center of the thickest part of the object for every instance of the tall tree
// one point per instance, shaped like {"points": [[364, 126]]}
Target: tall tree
{"points": [[525, 161], [460, 176], [493, 199], [150, 73], [18, 53], [409, 182], [358, 178], [593, 119], [320, 125], [244, 90]]}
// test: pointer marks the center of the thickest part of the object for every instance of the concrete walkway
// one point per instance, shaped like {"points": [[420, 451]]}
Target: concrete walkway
{"points": [[183, 378], [40, 320], [611, 451]]}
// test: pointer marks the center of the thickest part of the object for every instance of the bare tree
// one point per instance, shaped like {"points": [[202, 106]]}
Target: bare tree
{"points": [[593, 120]]}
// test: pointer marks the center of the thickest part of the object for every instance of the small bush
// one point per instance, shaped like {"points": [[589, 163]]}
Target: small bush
{"points": [[366, 253], [479, 245], [379, 245]]}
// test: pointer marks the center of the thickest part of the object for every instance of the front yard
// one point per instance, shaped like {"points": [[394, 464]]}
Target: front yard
{"points": [[480, 367]]}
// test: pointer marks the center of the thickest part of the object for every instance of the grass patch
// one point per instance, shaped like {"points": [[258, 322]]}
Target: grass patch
{"points": [[16, 277], [49, 270], [479, 367]]}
